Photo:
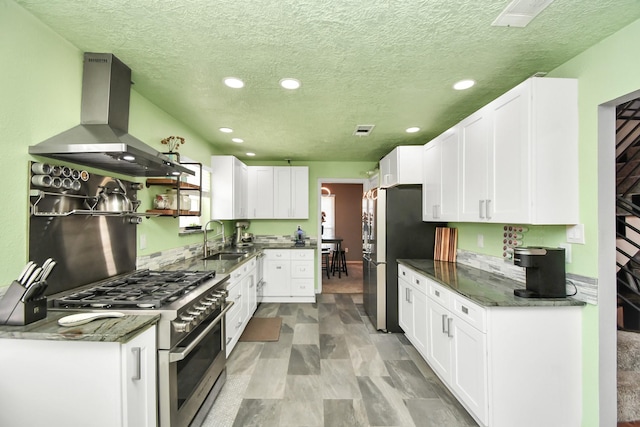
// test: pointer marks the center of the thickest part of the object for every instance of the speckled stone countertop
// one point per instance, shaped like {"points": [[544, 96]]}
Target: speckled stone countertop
{"points": [[225, 267], [119, 330], [484, 288]]}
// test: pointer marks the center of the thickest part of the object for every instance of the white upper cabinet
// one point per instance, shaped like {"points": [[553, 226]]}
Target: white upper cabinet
{"points": [[291, 192], [229, 182], [519, 156], [260, 192], [278, 192], [440, 184], [403, 165]]}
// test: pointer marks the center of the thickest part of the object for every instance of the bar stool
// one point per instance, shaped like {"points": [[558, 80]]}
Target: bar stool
{"points": [[339, 263], [326, 264]]}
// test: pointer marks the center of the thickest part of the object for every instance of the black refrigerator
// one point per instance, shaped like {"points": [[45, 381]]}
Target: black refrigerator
{"points": [[393, 229]]}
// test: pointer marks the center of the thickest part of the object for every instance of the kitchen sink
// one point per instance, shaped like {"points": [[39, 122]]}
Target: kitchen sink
{"points": [[226, 256]]}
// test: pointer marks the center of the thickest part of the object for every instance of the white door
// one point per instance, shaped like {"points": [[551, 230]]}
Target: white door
{"points": [[474, 172], [405, 309], [282, 192], [260, 200], [431, 185], [300, 192], [439, 343], [419, 317], [469, 370], [510, 156], [277, 278]]}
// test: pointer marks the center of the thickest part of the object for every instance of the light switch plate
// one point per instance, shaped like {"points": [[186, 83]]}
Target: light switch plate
{"points": [[481, 240], [143, 241], [575, 234]]}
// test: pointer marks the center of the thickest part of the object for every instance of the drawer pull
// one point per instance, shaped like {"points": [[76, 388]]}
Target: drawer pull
{"points": [[465, 310], [437, 293], [404, 273], [417, 281]]}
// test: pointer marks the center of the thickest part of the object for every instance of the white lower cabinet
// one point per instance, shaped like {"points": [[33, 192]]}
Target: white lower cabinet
{"points": [[78, 383], [507, 365], [412, 316], [243, 292], [289, 275]]}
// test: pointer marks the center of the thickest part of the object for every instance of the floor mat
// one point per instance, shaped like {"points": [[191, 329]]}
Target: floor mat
{"points": [[262, 329]]}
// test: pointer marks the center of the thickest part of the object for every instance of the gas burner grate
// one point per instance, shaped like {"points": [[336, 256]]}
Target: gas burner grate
{"points": [[140, 289]]}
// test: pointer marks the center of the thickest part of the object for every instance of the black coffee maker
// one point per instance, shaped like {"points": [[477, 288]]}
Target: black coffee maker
{"points": [[545, 272]]}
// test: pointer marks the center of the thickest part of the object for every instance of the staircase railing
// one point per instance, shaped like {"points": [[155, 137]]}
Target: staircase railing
{"points": [[628, 278]]}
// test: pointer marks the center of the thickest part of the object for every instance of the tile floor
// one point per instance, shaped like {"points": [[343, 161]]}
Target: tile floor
{"points": [[331, 368]]}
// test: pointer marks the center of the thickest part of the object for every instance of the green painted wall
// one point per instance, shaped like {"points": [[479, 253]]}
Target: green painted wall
{"points": [[40, 83], [41, 97]]}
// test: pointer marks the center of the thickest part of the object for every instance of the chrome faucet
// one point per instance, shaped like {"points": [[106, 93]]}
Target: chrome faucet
{"points": [[219, 234]]}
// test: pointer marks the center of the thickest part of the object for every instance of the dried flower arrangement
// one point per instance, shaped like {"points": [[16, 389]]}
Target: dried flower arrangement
{"points": [[173, 142]]}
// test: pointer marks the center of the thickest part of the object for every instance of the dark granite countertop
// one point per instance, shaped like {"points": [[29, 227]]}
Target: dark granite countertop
{"points": [[226, 267], [484, 288], [119, 330]]}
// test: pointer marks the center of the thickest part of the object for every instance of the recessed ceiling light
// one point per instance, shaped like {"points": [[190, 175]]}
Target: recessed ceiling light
{"points": [[251, 154], [128, 157], [464, 84], [226, 130], [290, 83], [233, 82], [238, 140], [413, 129]]}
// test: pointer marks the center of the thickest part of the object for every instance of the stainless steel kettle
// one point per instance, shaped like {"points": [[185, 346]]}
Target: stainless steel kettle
{"points": [[114, 199]]}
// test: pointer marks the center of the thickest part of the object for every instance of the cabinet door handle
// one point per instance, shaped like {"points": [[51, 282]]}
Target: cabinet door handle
{"points": [[137, 360], [438, 211], [481, 209], [434, 211], [449, 322], [488, 204], [444, 324]]}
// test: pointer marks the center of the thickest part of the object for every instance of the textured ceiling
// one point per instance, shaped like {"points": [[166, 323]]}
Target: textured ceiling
{"points": [[390, 63]]}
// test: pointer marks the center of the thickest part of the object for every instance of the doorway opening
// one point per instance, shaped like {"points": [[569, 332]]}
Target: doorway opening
{"points": [[340, 225]]}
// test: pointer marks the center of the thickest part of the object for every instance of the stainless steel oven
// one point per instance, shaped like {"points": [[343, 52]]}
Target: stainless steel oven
{"points": [[191, 332], [187, 372]]}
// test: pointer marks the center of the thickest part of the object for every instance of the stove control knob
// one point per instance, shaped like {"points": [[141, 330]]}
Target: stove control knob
{"points": [[187, 319], [194, 313], [182, 326]]}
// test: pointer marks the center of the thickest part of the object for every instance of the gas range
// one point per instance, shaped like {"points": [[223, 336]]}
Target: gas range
{"points": [[182, 298]]}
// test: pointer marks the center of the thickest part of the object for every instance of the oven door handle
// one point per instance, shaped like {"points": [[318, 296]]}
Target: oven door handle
{"points": [[177, 356]]}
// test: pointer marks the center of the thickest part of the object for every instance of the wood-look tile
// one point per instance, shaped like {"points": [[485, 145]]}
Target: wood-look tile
{"points": [[331, 324], [380, 411], [345, 413], [280, 349], [288, 309], [268, 379], [350, 315], [327, 371], [306, 314], [258, 413], [267, 309], [389, 347], [302, 405], [366, 361], [408, 380], [333, 346], [243, 358], [304, 360], [306, 333], [338, 380], [432, 413]]}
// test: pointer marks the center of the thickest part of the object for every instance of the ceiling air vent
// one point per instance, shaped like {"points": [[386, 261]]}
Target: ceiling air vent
{"points": [[363, 130], [520, 12]]}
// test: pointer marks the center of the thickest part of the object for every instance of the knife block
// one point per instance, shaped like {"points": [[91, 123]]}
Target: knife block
{"points": [[14, 311]]}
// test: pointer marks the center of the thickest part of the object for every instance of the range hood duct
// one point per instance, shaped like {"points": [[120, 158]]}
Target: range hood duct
{"points": [[101, 140]]}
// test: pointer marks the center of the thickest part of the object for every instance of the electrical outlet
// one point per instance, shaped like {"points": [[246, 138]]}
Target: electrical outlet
{"points": [[143, 241], [481, 240], [346, 250]]}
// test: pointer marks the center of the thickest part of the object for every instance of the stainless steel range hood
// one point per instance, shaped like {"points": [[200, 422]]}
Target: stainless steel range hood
{"points": [[101, 139]]}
